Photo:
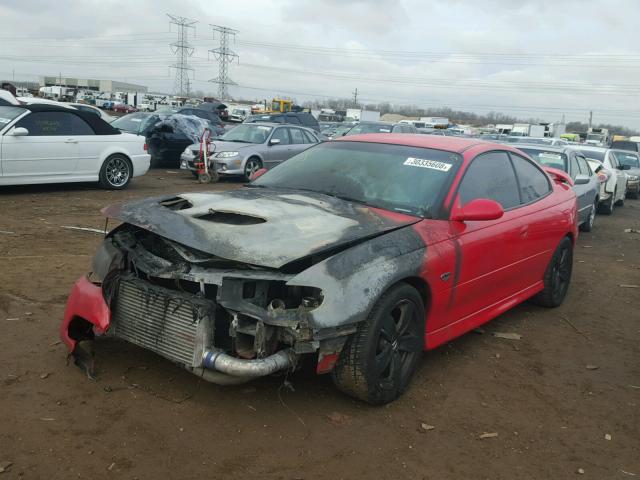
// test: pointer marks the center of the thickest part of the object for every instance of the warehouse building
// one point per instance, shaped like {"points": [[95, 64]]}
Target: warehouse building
{"points": [[91, 84]]}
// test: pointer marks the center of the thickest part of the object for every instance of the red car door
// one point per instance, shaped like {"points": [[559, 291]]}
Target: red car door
{"points": [[486, 274]]}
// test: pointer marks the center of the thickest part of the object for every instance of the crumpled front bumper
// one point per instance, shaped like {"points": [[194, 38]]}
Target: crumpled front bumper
{"points": [[86, 303]]}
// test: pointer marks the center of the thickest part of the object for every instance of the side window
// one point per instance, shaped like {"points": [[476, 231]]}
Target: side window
{"points": [[309, 138], [490, 176], [281, 134], [574, 168], [45, 124], [533, 182], [584, 166], [296, 136], [80, 127]]}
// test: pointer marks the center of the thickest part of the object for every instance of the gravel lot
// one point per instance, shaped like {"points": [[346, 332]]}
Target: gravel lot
{"points": [[563, 400]]}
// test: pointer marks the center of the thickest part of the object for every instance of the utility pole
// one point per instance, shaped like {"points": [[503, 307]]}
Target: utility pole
{"points": [[183, 49], [590, 118], [355, 97], [224, 55]]}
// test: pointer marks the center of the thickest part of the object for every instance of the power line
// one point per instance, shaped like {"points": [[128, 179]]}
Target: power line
{"points": [[183, 49], [224, 55]]}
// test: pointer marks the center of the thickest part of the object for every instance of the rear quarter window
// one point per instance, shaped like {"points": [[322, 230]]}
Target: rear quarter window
{"points": [[533, 182]]}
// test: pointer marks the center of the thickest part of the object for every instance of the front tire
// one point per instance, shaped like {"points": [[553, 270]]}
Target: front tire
{"points": [[378, 361], [251, 166], [116, 172], [557, 276]]}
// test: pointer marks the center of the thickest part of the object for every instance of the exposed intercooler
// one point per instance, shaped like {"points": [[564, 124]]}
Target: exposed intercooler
{"points": [[176, 325]]}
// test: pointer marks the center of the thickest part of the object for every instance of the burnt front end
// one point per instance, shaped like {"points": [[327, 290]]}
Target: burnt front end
{"points": [[224, 320]]}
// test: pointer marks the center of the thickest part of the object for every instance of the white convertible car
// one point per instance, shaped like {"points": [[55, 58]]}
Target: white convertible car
{"points": [[43, 143]]}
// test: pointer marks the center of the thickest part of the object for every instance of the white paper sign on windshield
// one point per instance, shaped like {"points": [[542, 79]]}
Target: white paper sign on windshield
{"points": [[424, 163]]}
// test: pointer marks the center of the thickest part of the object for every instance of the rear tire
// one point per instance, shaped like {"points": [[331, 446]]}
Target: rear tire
{"points": [[620, 203], [378, 361], [588, 225], [116, 172], [633, 195], [606, 207], [557, 276]]}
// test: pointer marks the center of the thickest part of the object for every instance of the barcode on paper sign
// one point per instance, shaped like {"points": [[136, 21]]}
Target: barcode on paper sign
{"points": [[424, 163]]}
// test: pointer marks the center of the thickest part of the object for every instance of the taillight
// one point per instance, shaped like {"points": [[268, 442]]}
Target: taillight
{"points": [[145, 146], [603, 177]]}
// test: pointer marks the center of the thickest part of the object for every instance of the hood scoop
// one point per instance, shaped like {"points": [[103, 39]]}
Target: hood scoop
{"points": [[176, 203], [230, 218]]}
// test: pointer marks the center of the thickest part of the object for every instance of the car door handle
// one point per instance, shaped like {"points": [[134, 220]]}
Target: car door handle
{"points": [[71, 140]]}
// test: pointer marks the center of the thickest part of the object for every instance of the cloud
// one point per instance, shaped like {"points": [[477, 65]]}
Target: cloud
{"points": [[540, 59]]}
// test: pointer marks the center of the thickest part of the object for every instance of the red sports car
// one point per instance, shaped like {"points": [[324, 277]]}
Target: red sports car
{"points": [[361, 252]]}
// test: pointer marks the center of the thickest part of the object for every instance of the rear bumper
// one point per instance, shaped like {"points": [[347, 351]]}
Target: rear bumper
{"points": [[85, 302], [140, 164]]}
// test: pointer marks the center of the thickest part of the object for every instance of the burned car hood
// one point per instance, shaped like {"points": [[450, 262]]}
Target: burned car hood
{"points": [[262, 227]]}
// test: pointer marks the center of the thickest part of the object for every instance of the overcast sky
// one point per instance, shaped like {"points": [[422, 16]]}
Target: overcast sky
{"points": [[541, 58]]}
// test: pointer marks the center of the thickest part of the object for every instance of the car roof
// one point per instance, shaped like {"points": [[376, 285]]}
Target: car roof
{"points": [[548, 148], [622, 150], [436, 142], [591, 149], [99, 126], [277, 124]]}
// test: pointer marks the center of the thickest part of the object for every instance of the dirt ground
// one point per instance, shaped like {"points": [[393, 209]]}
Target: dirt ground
{"points": [[564, 400]]}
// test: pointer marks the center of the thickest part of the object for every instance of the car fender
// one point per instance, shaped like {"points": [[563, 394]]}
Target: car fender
{"points": [[354, 279], [113, 149]]}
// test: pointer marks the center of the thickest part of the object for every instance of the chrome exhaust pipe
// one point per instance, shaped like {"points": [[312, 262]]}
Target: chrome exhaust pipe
{"points": [[237, 367]]}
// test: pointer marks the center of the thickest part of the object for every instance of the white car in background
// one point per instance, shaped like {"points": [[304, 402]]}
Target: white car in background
{"points": [[613, 190], [45, 143]]}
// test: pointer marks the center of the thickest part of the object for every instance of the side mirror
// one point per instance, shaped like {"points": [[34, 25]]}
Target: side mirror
{"points": [[624, 167], [258, 173], [19, 132], [479, 209], [581, 180], [274, 141]]}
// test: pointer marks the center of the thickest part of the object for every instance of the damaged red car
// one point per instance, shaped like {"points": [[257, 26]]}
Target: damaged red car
{"points": [[362, 253]]}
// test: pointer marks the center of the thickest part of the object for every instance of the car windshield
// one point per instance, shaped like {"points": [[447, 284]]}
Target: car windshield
{"points": [[394, 177], [8, 114], [595, 154], [548, 159], [627, 159], [370, 128], [133, 123], [247, 133]]}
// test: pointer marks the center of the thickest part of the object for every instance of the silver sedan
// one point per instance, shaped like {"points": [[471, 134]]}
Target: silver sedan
{"points": [[252, 146]]}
